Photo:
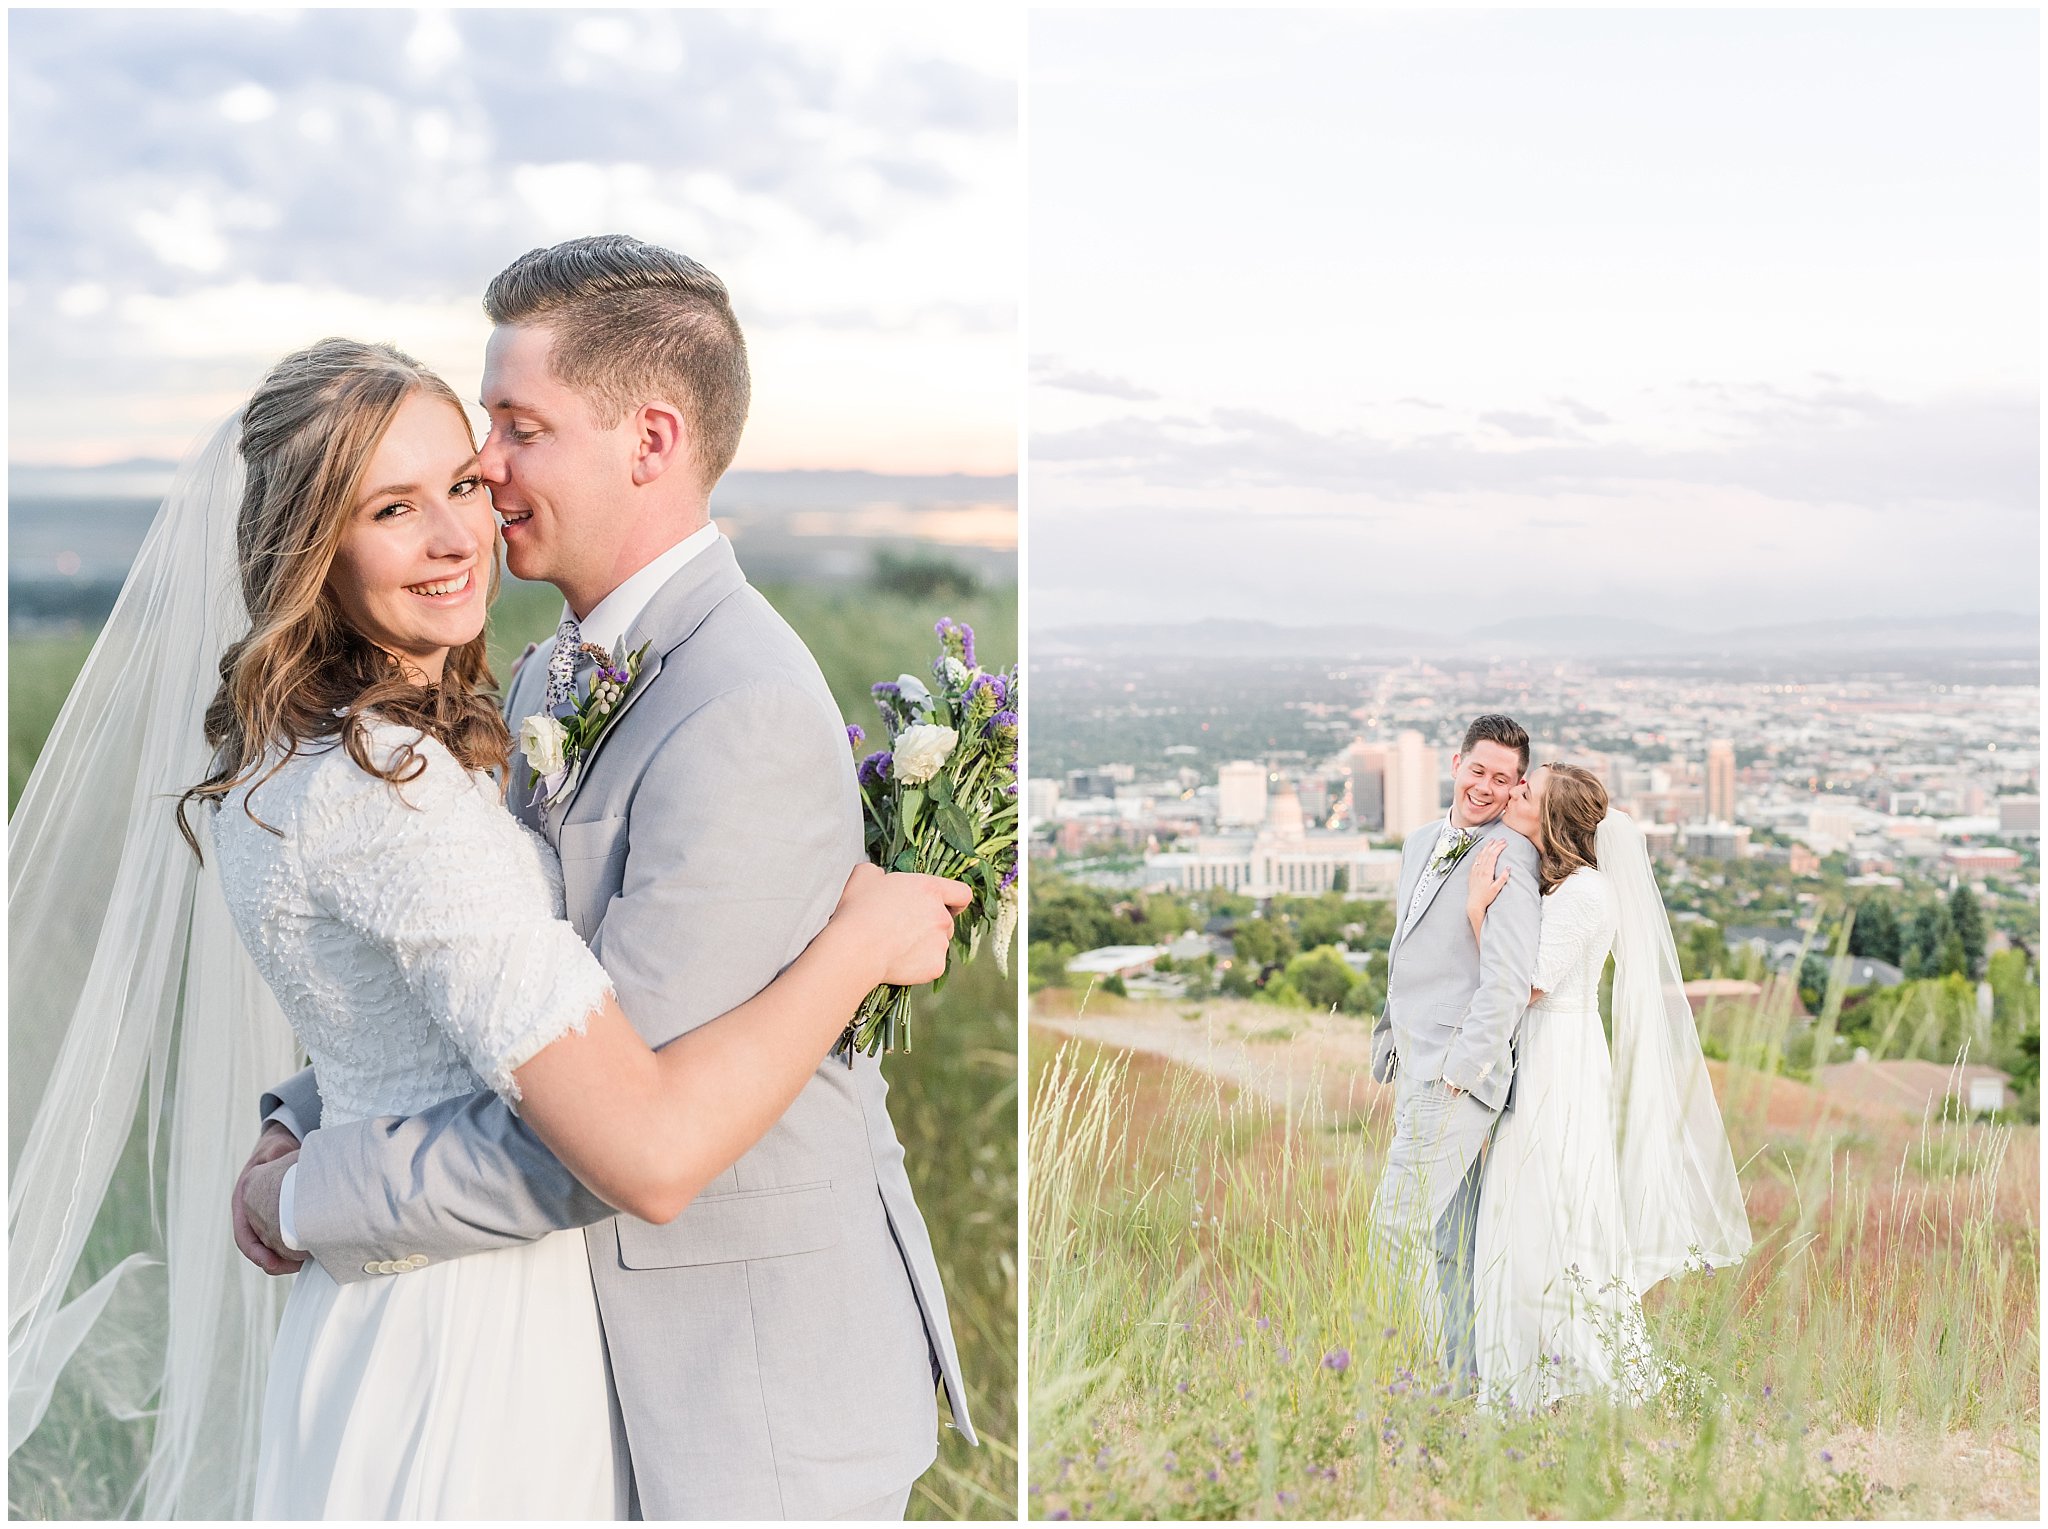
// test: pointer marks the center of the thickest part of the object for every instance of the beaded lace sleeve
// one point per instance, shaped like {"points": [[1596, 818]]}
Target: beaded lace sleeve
{"points": [[1576, 917], [439, 878]]}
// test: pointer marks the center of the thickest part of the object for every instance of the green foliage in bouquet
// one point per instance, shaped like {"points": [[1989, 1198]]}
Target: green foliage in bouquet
{"points": [[942, 799]]}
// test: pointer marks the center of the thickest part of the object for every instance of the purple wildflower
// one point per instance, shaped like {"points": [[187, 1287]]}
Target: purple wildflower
{"points": [[1338, 1359], [1826, 1458], [1263, 1323], [1388, 1333], [874, 770], [854, 736], [1182, 1388], [957, 637]]}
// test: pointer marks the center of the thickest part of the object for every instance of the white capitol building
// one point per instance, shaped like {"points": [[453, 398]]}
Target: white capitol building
{"points": [[1282, 856]]}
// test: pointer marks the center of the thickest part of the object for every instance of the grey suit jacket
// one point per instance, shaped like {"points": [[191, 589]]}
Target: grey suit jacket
{"points": [[774, 1350], [1454, 1004]]}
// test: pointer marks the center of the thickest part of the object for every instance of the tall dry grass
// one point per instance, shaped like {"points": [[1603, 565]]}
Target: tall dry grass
{"points": [[1214, 1336]]}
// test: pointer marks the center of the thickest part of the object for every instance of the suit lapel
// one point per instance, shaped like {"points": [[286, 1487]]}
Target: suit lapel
{"points": [[671, 617], [521, 701]]}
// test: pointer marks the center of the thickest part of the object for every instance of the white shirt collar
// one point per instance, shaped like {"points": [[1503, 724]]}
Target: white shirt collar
{"points": [[614, 615]]}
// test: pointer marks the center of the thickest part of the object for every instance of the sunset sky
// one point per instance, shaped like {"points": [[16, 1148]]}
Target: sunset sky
{"points": [[194, 193], [1439, 318]]}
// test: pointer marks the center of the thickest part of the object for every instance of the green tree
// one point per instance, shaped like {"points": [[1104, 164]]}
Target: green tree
{"points": [[1263, 942], [1968, 917], [1813, 980], [2015, 996], [1876, 933], [1048, 965], [1239, 981], [1931, 941], [1066, 913], [1367, 995], [1284, 993], [1321, 976], [1703, 953], [1168, 915]]}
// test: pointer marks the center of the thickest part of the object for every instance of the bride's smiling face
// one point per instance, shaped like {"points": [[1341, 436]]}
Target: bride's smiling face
{"points": [[1523, 813], [412, 571]]}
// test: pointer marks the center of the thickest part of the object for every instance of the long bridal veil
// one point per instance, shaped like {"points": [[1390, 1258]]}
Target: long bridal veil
{"points": [[1681, 1201], [139, 1038]]}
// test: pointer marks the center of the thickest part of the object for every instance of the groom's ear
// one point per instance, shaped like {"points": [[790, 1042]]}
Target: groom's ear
{"points": [[662, 443]]}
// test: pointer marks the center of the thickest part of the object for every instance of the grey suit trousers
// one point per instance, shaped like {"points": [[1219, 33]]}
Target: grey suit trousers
{"points": [[1425, 1211]]}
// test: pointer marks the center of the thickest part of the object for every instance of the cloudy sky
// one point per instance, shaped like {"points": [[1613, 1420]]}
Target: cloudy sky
{"points": [[1436, 319], [194, 193]]}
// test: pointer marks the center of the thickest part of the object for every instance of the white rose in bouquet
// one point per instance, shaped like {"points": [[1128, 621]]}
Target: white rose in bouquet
{"points": [[921, 751]]}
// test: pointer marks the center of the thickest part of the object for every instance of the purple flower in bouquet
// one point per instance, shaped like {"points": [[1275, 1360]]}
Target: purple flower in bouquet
{"points": [[874, 770], [854, 736], [956, 638]]}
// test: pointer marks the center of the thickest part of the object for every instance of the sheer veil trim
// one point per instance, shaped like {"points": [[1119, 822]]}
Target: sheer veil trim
{"points": [[139, 1039], [1681, 1201]]}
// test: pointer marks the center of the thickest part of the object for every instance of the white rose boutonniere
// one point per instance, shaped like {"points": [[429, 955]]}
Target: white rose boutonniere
{"points": [[921, 750], [556, 747], [542, 740], [1451, 849]]}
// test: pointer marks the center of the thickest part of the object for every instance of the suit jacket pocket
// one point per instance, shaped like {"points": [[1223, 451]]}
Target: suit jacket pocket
{"points": [[599, 839], [728, 1228]]}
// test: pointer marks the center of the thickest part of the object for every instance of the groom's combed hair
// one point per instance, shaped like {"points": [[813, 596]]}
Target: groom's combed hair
{"points": [[1495, 728], [634, 322]]}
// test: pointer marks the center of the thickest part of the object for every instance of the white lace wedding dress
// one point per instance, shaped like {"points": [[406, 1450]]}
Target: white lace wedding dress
{"points": [[414, 938], [1554, 1312]]}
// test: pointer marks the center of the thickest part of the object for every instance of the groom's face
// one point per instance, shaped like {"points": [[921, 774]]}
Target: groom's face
{"points": [[559, 480], [1482, 781]]}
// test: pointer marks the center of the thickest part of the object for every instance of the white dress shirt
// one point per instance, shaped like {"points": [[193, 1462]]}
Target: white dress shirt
{"points": [[609, 620]]}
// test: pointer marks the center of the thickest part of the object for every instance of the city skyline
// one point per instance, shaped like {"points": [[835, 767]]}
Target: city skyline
{"points": [[1711, 319], [193, 194]]}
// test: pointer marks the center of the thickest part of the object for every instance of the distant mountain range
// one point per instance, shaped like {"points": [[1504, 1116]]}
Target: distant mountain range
{"points": [[1576, 636], [148, 477]]}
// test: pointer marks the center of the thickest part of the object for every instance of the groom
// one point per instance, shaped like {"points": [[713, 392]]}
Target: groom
{"points": [[774, 1350], [1446, 1036]]}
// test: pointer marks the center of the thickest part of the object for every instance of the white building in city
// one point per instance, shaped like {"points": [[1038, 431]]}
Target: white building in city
{"points": [[1412, 786], [1042, 797], [1241, 795]]}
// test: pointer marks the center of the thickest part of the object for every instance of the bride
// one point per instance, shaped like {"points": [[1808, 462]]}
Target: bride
{"points": [[1604, 1178], [410, 930]]}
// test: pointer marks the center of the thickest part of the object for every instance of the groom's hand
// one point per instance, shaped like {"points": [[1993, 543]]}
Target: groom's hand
{"points": [[256, 1229]]}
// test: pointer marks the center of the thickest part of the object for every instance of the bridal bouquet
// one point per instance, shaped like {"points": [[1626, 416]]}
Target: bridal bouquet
{"points": [[942, 799]]}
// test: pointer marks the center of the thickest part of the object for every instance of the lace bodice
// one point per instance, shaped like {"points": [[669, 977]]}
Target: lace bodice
{"points": [[412, 935], [1580, 917]]}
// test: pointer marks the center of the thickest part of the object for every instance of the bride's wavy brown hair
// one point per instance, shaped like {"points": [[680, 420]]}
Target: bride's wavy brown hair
{"points": [[1568, 815], [303, 674]]}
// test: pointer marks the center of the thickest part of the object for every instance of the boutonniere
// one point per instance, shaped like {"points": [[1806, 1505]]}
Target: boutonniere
{"points": [[1451, 849], [556, 747]]}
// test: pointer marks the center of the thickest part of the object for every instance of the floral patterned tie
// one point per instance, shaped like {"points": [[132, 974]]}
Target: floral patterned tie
{"points": [[562, 662]]}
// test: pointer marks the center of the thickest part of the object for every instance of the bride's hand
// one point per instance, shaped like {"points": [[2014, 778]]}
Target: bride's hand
{"points": [[905, 919], [1483, 886]]}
